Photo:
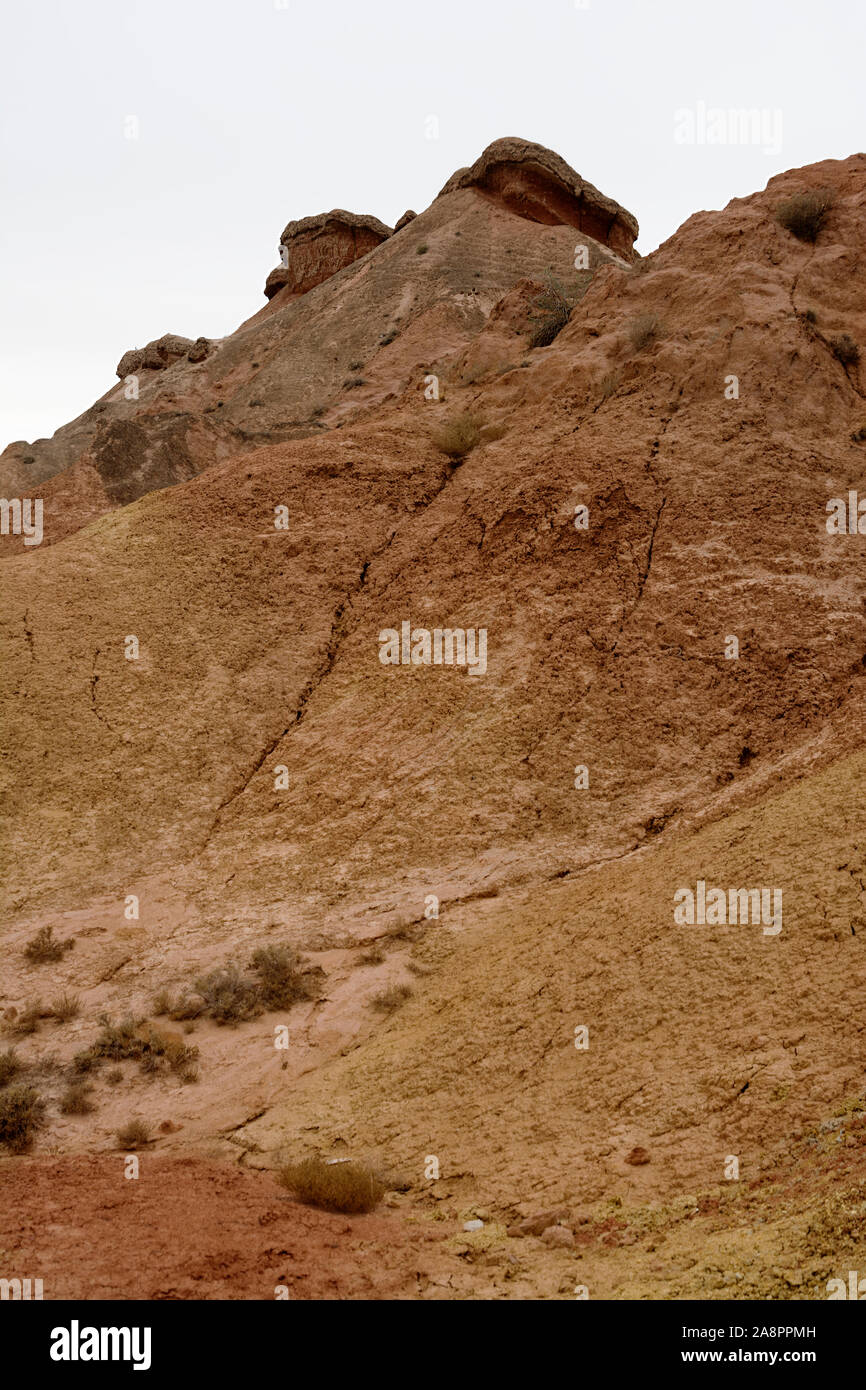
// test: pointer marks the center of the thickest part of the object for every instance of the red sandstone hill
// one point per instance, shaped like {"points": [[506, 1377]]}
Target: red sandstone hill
{"points": [[258, 773]]}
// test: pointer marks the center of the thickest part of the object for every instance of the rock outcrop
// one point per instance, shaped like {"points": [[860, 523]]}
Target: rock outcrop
{"points": [[320, 246], [536, 183], [161, 353]]}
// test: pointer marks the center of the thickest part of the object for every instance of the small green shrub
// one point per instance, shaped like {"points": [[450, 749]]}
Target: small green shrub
{"points": [[343, 1187], [353, 382]]}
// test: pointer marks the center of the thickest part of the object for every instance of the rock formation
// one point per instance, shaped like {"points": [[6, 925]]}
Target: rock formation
{"points": [[675, 690], [318, 247], [536, 183]]}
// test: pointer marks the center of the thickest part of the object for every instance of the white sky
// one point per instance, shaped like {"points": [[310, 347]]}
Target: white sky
{"points": [[253, 112]]}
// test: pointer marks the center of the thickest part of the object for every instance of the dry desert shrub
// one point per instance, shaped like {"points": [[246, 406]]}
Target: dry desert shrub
{"points": [[643, 329], [279, 978], [374, 956], [162, 1003], [22, 1112], [227, 997], [847, 351], [343, 1187], [43, 948], [135, 1040], [550, 312], [76, 1099], [390, 999], [804, 214], [457, 437], [27, 1022], [66, 1007], [9, 1066], [609, 384], [133, 1136]]}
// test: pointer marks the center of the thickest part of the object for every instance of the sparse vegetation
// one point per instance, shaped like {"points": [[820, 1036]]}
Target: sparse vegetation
{"points": [[550, 312], [317, 411], [609, 384], [388, 337], [810, 316], [66, 1007], [847, 351], [76, 1099], [43, 947], [22, 1112], [279, 978], [804, 214], [27, 1022], [643, 329], [114, 1076], [162, 1003], [457, 437], [9, 1066], [355, 366], [353, 382], [373, 956], [390, 999], [859, 435], [343, 1187], [422, 249], [133, 1136], [136, 1040]]}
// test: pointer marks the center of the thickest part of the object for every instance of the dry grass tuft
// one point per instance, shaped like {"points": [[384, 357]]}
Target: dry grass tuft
{"points": [[804, 214], [457, 437], [343, 1187]]}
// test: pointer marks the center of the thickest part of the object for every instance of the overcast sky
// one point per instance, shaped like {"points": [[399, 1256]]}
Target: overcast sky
{"points": [[248, 113]]}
